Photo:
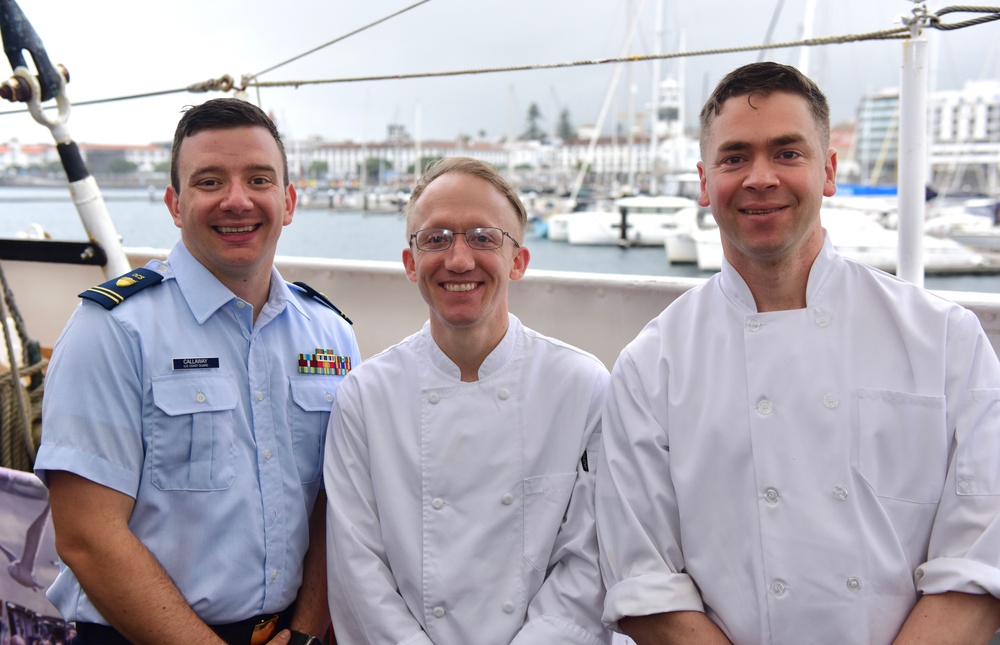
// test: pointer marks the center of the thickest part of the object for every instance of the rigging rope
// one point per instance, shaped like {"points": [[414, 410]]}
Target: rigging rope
{"points": [[225, 83]]}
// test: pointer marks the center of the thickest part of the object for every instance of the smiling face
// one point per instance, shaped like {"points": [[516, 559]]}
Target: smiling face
{"points": [[765, 172], [232, 202], [466, 289]]}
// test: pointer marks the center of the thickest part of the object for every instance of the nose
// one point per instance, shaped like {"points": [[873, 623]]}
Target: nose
{"points": [[760, 175], [460, 255], [236, 198]]}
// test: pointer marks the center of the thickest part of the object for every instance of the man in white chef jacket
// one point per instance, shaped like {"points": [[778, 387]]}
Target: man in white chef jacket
{"points": [[802, 449], [460, 463]]}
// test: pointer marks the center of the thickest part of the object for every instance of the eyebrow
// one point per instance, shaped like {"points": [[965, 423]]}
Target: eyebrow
{"points": [[777, 142], [252, 168]]}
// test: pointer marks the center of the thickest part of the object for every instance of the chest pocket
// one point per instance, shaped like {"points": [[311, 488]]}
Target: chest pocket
{"points": [[546, 499], [903, 447], [191, 443], [312, 399]]}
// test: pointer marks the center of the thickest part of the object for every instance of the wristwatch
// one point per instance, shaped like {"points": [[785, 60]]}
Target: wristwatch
{"points": [[298, 638]]}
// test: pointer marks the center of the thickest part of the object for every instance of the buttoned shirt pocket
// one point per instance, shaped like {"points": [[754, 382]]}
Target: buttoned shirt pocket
{"points": [[191, 444], [903, 444], [546, 499], [312, 398]]}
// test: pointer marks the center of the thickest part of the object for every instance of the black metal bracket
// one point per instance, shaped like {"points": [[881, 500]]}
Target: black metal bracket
{"points": [[88, 253]]}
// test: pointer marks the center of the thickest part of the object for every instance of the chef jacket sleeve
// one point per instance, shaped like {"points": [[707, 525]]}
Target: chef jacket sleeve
{"points": [[637, 518], [964, 551], [364, 602]]}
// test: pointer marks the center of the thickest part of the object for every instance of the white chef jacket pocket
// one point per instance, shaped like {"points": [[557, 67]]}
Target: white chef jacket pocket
{"points": [[546, 499], [191, 444], [312, 400], [902, 444], [978, 444]]}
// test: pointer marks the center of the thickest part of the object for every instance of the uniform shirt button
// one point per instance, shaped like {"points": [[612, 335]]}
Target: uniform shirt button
{"points": [[267, 454], [437, 503], [438, 612], [854, 584], [240, 304], [830, 401], [503, 395], [508, 607], [274, 575], [507, 499], [162, 268], [777, 588], [771, 496], [764, 407], [260, 396], [329, 397], [822, 320], [433, 398], [753, 324], [840, 493], [199, 397]]}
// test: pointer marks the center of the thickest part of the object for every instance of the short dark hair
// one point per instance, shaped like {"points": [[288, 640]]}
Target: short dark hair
{"points": [[467, 166], [764, 79], [218, 114]]}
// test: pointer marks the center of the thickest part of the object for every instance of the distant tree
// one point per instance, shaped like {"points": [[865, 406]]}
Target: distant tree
{"points": [[566, 130], [424, 163], [534, 131], [54, 167], [163, 166], [121, 166], [318, 169], [372, 167]]}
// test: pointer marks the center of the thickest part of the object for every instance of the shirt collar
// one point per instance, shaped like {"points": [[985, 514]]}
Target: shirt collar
{"points": [[205, 294], [493, 363], [733, 285]]}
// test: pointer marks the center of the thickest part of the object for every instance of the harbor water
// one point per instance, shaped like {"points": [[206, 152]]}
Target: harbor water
{"points": [[142, 220]]}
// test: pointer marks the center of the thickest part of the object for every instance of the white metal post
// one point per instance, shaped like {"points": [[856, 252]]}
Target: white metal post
{"points": [[912, 168]]}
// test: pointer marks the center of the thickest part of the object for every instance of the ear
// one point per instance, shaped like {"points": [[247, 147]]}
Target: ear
{"points": [[830, 183], [172, 199], [410, 264], [290, 199], [703, 197], [521, 259]]}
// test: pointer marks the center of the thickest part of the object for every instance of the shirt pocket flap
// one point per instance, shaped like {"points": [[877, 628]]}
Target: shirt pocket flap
{"points": [[314, 394], [177, 395]]}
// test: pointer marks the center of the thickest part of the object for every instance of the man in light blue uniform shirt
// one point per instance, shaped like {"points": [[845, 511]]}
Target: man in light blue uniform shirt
{"points": [[186, 411]]}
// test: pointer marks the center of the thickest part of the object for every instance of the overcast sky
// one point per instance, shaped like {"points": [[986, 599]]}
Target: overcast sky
{"points": [[123, 47]]}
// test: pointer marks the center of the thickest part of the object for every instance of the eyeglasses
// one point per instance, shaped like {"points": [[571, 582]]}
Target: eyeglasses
{"points": [[480, 239]]}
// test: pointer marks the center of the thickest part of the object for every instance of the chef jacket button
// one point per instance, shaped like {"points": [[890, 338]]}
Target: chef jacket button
{"points": [[508, 607], [764, 407], [777, 588], [437, 503], [507, 499], [830, 401], [503, 394], [964, 486], [753, 324], [434, 398], [822, 320], [200, 397], [840, 493], [854, 584], [438, 612], [329, 397], [771, 496]]}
